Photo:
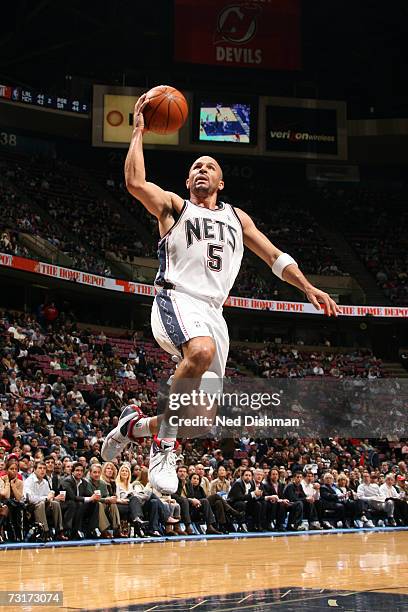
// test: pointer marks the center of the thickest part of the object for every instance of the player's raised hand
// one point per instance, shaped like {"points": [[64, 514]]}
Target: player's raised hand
{"points": [[138, 119], [321, 299]]}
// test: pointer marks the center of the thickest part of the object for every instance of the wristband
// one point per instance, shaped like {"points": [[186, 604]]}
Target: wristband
{"points": [[281, 263]]}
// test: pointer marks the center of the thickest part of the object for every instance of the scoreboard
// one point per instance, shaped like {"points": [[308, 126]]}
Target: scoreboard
{"points": [[44, 99]]}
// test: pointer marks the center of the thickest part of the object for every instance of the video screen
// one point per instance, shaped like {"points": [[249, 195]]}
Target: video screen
{"points": [[222, 121]]}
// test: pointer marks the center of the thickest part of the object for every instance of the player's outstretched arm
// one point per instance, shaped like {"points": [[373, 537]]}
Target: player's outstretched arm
{"points": [[158, 202], [283, 265]]}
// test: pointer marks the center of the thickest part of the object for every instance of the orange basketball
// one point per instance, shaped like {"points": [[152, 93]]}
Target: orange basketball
{"points": [[166, 111]]}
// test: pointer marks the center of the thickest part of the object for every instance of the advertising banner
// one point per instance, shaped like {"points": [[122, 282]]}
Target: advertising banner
{"points": [[301, 130], [242, 33], [118, 122], [124, 286]]}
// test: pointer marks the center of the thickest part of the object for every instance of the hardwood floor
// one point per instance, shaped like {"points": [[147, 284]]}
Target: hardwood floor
{"points": [[119, 575]]}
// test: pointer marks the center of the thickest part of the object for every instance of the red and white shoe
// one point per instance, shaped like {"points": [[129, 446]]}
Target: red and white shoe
{"points": [[162, 466], [118, 438]]}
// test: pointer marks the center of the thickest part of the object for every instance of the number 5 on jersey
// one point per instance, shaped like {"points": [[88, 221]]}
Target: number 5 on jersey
{"points": [[214, 261]]}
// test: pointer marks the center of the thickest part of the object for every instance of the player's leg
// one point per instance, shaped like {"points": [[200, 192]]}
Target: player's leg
{"points": [[169, 320], [198, 354], [203, 360], [132, 424]]}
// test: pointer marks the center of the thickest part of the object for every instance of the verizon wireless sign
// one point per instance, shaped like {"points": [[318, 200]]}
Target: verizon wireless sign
{"points": [[297, 129], [123, 286]]}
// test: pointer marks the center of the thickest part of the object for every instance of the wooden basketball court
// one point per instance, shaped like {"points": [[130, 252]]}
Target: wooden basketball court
{"points": [[355, 571]]}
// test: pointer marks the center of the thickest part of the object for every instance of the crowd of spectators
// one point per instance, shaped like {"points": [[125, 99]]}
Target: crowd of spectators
{"points": [[272, 361], [9, 243], [92, 228], [375, 223], [18, 215], [62, 389], [294, 229], [65, 493]]}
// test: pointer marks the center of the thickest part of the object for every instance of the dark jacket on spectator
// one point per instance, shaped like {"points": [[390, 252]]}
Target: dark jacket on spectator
{"points": [[99, 486], [197, 492], [189, 488], [277, 489], [294, 492], [238, 491], [54, 483], [75, 493], [328, 496]]}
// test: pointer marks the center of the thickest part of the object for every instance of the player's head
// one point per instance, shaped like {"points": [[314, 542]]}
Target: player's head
{"points": [[205, 177]]}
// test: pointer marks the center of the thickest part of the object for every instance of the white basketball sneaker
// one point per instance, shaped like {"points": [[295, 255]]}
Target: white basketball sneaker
{"points": [[118, 438], [162, 466]]}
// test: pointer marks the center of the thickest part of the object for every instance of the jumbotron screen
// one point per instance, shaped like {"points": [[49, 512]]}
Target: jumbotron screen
{"points": [[221, 120]]}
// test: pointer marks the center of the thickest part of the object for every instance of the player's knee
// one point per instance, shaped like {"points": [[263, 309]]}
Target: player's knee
{"points": [[201, 356]]}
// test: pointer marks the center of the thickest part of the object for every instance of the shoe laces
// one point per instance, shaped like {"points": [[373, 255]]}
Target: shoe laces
{"points": [[169, 461]]}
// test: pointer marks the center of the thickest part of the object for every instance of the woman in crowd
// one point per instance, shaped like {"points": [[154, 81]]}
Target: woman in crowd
{"points": [[154, 510], [130, 507], [11, 496], [4, 511], [220, 485], [172, 526], [354, 480], [108, 476], [355, 508], [219, 489]]}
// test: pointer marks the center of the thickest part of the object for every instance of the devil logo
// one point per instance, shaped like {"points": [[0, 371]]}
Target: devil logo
{"points": [[237, 24]]}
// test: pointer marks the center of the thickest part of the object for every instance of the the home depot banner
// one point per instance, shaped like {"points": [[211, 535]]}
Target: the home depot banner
{"points": [[124, 286], [242, 33]]}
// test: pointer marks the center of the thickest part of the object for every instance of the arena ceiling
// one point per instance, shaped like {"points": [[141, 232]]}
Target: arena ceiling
{"points": [[351, 50]]}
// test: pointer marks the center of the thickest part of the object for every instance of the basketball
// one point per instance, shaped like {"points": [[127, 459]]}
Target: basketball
{"points": [[166, 111]]}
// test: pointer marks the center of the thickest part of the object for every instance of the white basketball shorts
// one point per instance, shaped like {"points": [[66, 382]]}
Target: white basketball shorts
{"points": [[178, 317]]}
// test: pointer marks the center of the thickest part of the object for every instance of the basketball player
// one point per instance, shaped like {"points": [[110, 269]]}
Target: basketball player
{"points": [[200, 252]]}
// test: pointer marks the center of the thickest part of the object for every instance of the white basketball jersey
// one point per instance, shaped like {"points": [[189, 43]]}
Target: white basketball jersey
{"points": [[201, 254]]}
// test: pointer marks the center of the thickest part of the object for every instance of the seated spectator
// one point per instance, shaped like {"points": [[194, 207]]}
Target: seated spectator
{"points": [[108, 510], [246, 496], [82, 515], [92, 378], [200, 508], [204, 482], [108, 476], [50, 475], [11, 494], [354, 508], [307, 512], [218, 493], [277, 507], [189, 505], [388, 490], [220, 485], [369, 491], [293, 492], [44, 501], [4, 510], [155, 511], [331, 500], [129, 505], [312, 491], [137, 502], [172, 526]]}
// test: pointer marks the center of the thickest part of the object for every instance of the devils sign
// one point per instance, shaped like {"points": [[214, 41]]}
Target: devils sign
{"points": [[237, 24], [245, 33]]}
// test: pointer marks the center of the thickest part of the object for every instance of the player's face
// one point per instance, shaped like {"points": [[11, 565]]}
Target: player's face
{"points": [[205, 177]]}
